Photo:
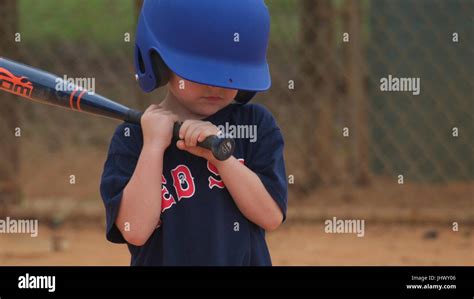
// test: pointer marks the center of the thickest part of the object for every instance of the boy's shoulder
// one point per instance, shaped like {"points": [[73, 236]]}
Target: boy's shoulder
{"points": [[127, 139], [126, 127], [129, 131]]}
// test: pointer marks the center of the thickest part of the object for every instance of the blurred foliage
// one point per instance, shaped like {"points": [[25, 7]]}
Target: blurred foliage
{"points": [[99, 20]]}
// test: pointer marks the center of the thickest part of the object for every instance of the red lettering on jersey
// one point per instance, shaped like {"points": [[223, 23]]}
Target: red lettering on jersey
{"points": [[213, 182], [167, 200], [183, 181]]}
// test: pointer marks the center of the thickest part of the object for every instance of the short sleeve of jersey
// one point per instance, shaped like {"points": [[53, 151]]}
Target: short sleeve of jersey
{"points": [[122, 157], [266, 157]]}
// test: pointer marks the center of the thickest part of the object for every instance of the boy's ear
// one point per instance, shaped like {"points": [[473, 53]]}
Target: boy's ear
{"points": [[160, 69]]}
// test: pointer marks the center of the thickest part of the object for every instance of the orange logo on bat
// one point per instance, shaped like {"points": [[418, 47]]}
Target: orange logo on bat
{"points": [[16, 85]]}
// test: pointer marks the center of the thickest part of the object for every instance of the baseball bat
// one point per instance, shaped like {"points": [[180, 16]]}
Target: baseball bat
{"points": [[37, 85]]}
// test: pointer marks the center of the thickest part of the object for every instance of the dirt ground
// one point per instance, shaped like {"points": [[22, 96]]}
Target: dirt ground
{"points": [[409, 224], [292, 244]]}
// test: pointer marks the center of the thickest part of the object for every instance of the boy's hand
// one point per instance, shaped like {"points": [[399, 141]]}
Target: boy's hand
{"points": [[194, 131], [157, 126]]}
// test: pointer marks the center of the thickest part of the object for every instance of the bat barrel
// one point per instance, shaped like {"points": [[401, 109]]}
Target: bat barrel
{"points": [[47, 88], [34, 84]]}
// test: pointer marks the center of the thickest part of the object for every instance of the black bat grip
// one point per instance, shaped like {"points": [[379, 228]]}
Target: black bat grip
{"points": [[222, 148]]}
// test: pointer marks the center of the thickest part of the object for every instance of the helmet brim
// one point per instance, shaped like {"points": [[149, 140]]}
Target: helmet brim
{"points": [[219, 73]]}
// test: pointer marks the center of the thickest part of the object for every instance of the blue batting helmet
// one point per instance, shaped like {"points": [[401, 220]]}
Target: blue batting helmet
{"points": [[221, 43]]}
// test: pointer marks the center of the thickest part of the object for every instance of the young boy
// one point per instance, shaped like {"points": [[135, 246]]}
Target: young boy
{"points": [[171, 201]]}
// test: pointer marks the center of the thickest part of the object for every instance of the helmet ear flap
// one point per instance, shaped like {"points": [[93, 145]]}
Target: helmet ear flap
{"points": [[152, 71], [160, 69]]}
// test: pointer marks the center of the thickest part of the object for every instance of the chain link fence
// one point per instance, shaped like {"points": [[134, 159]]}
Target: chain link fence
{"points": [[328, 61]]}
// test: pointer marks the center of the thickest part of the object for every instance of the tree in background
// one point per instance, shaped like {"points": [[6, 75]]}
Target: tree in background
{"points": [[356, 93], [327, 163], [317, 69]]}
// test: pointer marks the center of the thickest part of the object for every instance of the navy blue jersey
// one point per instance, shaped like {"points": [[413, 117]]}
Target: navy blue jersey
{"points": [[200, 222]]}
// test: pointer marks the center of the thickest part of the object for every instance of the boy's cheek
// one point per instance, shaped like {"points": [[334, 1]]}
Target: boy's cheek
{"points": [[191, 92], [186, 94], [192, 88]]}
